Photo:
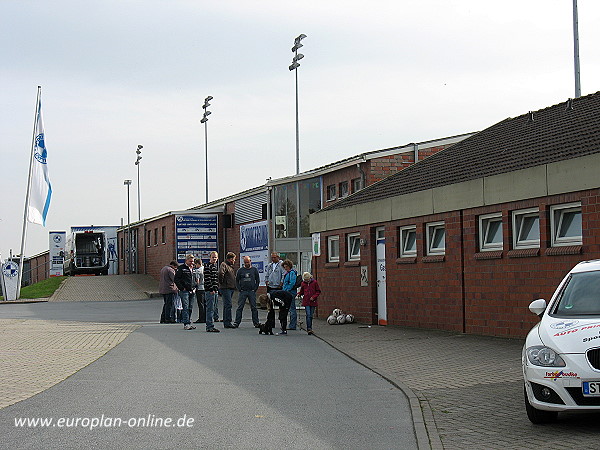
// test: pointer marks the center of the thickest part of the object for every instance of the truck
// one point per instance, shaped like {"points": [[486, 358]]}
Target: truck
{"points": [[86, 252]]}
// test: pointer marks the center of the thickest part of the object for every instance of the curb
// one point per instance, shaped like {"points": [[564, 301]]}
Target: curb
{"points": [[423, 423]]}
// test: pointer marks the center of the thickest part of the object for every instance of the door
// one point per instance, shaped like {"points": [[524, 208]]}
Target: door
{"points": [[381, 291]]}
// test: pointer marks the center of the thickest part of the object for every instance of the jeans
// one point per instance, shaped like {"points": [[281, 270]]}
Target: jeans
{"points": [[309, 316], [201, 307], [215, 308], [168, 313], [210, 301], [227, 295], [186, 302], [293, 312], [242, 296]]}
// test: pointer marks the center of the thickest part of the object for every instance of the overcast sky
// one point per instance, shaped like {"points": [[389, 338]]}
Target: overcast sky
{"points": [[120, 73]]}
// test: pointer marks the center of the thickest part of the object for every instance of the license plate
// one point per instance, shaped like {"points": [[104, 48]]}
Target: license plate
{"points": [[591, 388]]}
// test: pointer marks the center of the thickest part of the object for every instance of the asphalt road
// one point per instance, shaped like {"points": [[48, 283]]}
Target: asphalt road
{"points": [[234, 389]]}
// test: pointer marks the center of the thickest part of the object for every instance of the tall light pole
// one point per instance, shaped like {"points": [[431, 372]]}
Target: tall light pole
{"points": [[204, 120], [137, 163], [128, 183], [576, 50], [294, 66]]}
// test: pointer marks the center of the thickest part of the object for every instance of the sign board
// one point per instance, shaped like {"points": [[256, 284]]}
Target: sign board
{"points": [[56, 244], [254, 242], [196, 234], [10, 280], [316, 244]]}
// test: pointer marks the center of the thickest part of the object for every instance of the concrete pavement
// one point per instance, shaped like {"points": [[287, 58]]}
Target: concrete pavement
{"points": [[465, 391]]}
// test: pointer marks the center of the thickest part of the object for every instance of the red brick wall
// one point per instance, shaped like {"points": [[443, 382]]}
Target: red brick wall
{"points": [[485, 293], [39, 267]]}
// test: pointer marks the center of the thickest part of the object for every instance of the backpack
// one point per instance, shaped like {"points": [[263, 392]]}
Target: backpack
{"points": [[298, 282]]}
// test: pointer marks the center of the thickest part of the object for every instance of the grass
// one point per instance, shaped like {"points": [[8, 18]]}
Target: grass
{"points": [[44, 288]]}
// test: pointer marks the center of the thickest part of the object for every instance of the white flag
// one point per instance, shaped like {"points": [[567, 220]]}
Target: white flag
{"points": [[41, 190]]}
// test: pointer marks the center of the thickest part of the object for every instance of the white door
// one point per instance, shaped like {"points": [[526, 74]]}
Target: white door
{"points": [[381, 292]]}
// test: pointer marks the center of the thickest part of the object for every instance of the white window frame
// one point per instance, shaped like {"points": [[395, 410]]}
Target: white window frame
{"points": [[431, 230], [484, 228], [330, 256], [517, 228], [557, 213], [353, 239], [344, 183], [404, 231], [330, 188]]}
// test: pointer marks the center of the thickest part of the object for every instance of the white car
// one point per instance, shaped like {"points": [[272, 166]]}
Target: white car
{"points": [[561, 356]]}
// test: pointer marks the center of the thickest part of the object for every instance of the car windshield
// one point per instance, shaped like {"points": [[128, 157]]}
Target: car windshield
{"points": [[580, 295]]}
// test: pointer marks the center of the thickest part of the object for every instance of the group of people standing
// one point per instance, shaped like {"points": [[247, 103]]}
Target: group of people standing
{"points": [[205, 282]]}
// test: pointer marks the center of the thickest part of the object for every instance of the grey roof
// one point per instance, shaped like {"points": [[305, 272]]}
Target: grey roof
{"points": [[568, 130]]}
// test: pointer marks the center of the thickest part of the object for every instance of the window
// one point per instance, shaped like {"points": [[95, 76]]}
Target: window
{"points": [[122, 248], [343, 189], [310, 202], [164, 234], [354, 247], [408, 241], [285, 211], [331, 192], [565, 222], [436, 238], [156, 236], [149, 240], [490, 232], [356, 185], [526, 228], [333, 248]]}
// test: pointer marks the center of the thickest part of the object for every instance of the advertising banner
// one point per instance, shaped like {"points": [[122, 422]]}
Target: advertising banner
{"points": [[196, 234], [254, 242], [10, 280], [57, 241]]}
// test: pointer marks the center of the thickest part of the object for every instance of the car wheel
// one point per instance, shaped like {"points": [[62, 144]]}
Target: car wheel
{"points": [[538, 416]]}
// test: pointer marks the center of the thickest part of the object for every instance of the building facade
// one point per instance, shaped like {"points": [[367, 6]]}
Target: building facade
{"points": [[467, 238]]}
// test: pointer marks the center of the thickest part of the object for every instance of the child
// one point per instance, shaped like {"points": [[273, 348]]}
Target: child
{"points": [[309, 291], [283, 299]]}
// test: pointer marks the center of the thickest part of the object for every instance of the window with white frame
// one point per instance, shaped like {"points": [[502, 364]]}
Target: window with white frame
{"points": [[436, 238], [490, 232], [331, 192], [333, 248], [565, 223], [526, 228], [408, 241], [343, 189], [356, 185], [353, 247]]}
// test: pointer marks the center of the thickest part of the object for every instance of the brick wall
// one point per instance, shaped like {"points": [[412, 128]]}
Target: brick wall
{"points": [[466, 290]]}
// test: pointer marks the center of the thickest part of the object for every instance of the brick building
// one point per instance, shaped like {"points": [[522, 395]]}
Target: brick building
{"points": [[285, 204], [466, 238]]}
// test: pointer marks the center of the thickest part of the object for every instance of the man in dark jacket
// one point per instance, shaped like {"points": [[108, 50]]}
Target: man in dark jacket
{"points": [[227, 286], [247, 281], [184, 280], [168, 289]]}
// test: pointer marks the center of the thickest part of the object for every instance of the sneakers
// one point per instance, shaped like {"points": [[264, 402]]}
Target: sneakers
{"points": [[229, 326], [309, 331], [213, 330], [257, 325], [189, 327], [235, 325], [283, 333]]}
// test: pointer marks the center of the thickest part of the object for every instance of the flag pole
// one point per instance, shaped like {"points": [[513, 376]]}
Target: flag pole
{"points": [[24, 233]]}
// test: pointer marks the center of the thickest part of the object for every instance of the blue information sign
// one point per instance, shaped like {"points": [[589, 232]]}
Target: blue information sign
{"points": [[196, 234]]}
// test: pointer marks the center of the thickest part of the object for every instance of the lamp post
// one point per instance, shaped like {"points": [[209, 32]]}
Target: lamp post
{"points": [[576, 50], [137, 163], [204, 120], [128, 253], [294, 66]]}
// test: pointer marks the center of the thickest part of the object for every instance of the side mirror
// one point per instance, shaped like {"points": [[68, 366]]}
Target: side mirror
{"points": [[538, 306]]}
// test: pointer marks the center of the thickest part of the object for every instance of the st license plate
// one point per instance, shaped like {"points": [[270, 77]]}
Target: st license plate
{"points": [[591, 388]]}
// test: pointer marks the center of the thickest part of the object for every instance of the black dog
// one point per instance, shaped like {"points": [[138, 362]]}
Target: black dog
{"points": [[267, 327]]}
